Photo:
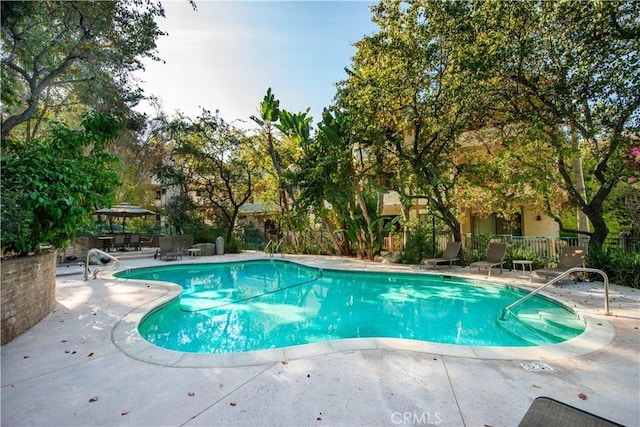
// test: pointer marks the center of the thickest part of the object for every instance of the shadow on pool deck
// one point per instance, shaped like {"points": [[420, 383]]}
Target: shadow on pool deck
{"points": [[67, 370]]}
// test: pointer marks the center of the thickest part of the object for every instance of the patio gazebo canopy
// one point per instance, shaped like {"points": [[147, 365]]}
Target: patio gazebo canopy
{"points": [[124, 211]]}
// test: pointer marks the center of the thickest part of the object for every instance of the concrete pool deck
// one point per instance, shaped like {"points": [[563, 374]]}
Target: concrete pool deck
{"points": [[79, 366]]}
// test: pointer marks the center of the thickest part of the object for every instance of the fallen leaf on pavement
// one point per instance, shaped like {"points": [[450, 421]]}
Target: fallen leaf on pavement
{"points": [[582, 396]]}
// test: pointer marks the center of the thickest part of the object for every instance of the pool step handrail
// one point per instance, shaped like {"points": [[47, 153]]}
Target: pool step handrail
{"points": [[557, 279], [278, 248], [97, 269], [274, 250]]}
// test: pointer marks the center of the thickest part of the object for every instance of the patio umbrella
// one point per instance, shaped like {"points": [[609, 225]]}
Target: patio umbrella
{"points": [[124, 211]]}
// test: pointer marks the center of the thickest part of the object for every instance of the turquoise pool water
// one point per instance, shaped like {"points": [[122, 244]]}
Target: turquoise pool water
{"points": [[257, 305]]}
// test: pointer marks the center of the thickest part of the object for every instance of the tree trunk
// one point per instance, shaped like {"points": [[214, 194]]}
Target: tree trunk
{"points": [[600, 229], [583, 221], [231, 226], [405, 229], [365, 213], [592, 210], [339, 247], [454, 225]]}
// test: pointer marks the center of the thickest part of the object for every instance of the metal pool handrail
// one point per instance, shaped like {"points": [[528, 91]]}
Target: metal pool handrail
{"points": [[278, 248], [558, 278], [95, 272], [273, 250]]}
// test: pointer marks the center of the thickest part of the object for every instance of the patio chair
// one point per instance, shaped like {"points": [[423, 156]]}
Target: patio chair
{"points": [[547, 412], [495, 257], [185, 242], [571, 256], [449, 255], [119, 242], [167, 249], [134, 242]]}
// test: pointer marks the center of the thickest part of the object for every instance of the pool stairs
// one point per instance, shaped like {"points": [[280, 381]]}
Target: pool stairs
{"points": [[543, 324], [560, 277]]}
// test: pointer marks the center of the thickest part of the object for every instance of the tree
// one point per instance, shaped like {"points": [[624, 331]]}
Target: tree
{"points": [[220, 171], [323, 167], [180, 213], [568, 70], [141, 148], [56, 51], [504, 169], [268, 121], [411, 102], [51, 186], [295, 130]]}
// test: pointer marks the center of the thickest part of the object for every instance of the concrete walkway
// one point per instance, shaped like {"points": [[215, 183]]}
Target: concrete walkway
{"points": [[74, 369]]}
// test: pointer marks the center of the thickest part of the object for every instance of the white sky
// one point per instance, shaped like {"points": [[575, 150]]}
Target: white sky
{"points": [[225, 55]]}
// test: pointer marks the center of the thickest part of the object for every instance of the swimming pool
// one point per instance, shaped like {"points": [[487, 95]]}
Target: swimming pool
{"points": [[265, 304]]}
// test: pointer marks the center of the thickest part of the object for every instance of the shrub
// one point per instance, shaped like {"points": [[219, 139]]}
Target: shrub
{"points": [[626, 268], [520, 252], [622, 268], [233, 247], [600, 258], [418, 246], [50, 186], [204, 234], [473, 255]]}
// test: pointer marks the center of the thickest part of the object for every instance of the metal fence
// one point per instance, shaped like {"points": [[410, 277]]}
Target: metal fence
{"points": [[545, 247], [627, 244]]}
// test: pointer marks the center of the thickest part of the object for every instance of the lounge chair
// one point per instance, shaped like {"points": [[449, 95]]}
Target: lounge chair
{"points": [[571, 256], [183, 243], [548, 412], [167, 248], [495, 257], [450, 255]]}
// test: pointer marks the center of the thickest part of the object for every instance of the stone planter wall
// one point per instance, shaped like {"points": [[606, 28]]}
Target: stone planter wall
{"points": [[28, 292], [79, 247]]}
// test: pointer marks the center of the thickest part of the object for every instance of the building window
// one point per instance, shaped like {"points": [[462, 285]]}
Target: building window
{"points": [[497, 225]]}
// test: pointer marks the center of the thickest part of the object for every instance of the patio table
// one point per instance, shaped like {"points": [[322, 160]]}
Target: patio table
{"points": [[106, 242]]}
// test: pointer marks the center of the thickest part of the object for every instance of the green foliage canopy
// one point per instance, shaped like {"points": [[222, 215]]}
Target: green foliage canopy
{"points": [[211, 151], [568, 69], [51, 186], [55, 52], [411, 102]]}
